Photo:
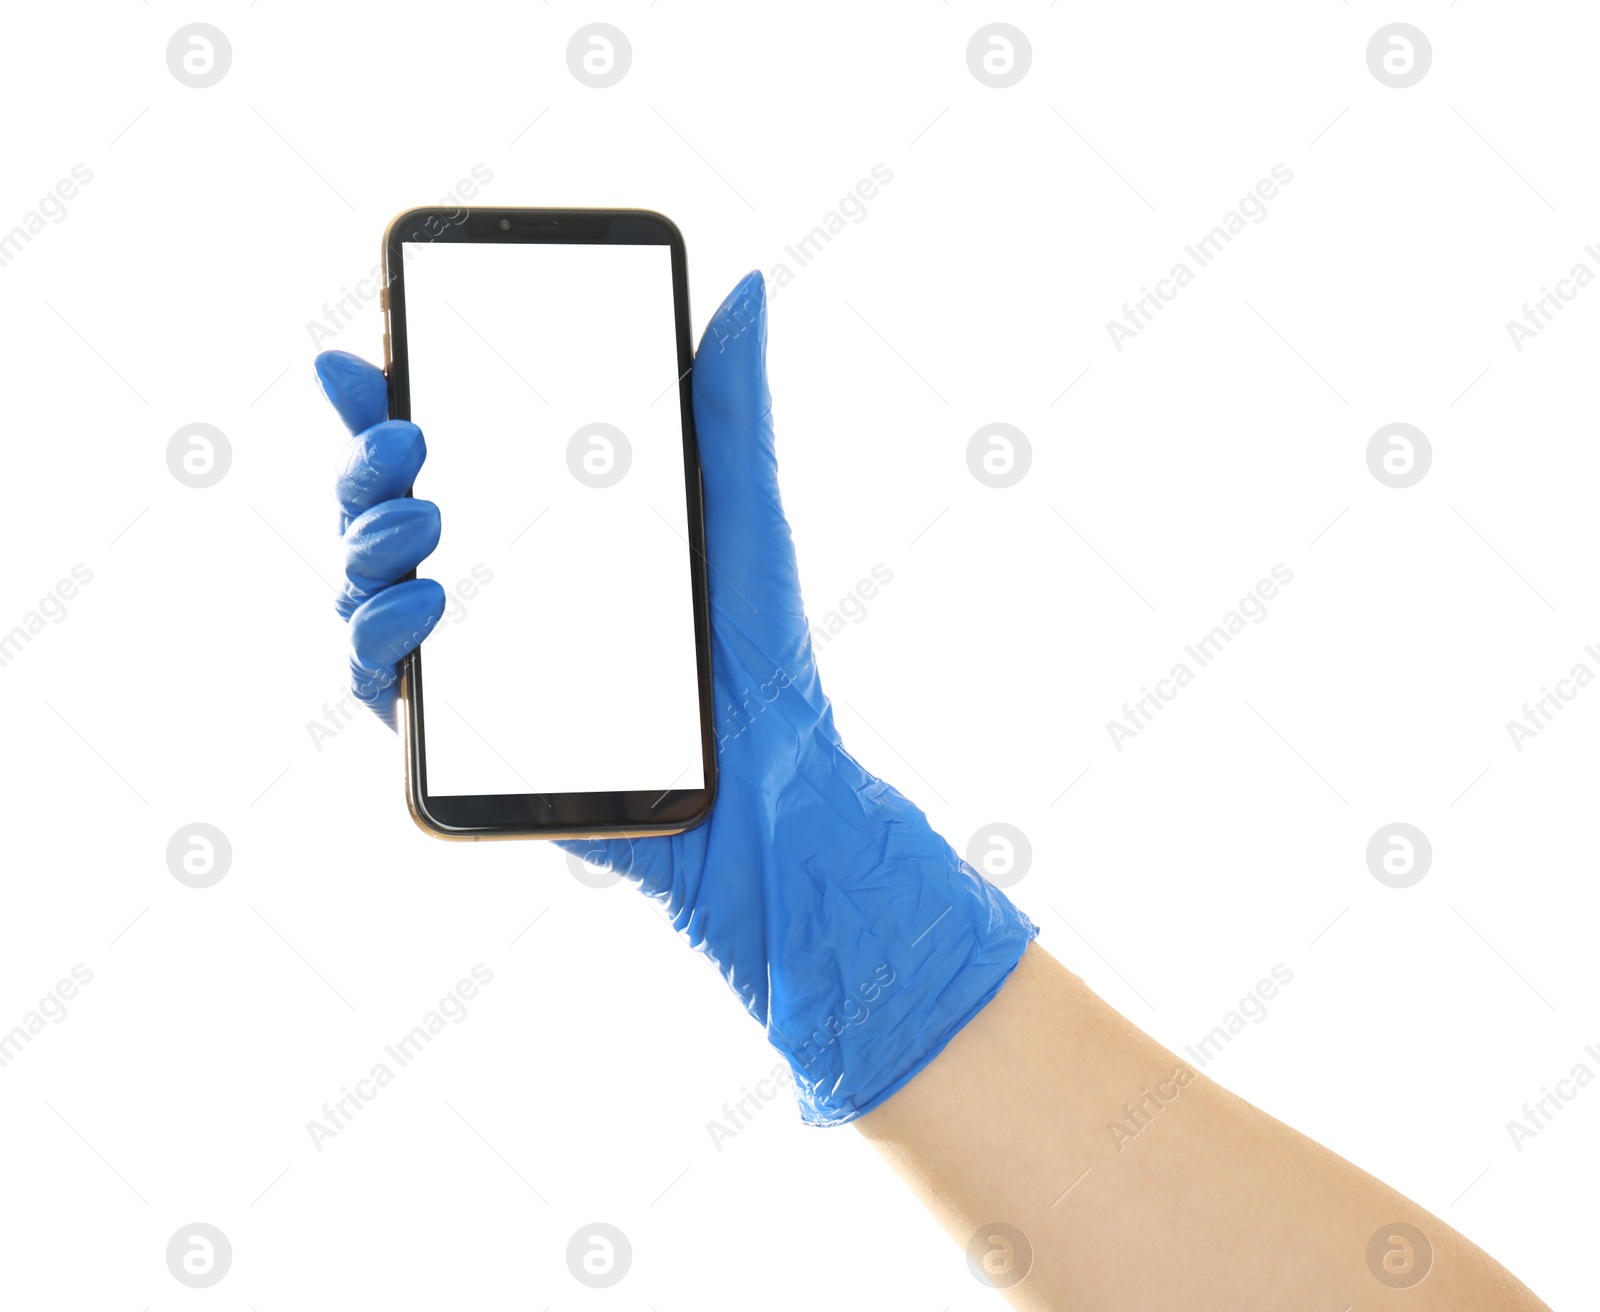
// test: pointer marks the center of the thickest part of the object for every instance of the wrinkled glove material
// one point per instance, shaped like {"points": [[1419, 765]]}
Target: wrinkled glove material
{"points": [[842, 921]]}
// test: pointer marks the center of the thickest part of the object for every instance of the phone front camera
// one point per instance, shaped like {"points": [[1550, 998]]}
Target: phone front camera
{"points": [[505, 225]]}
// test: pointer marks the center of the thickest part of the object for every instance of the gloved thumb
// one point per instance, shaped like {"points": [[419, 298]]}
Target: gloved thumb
{"points": [[748, 543]]}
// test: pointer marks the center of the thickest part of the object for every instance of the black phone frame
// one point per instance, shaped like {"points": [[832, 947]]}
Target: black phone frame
{"points": [[557, 815]]}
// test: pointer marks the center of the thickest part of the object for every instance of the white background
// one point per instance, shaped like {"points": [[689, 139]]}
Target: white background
{"points": [[513, 350], [1227, 437]]}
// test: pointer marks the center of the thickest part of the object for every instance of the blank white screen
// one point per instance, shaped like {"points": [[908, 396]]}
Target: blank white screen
{"points": [[565, 661]]}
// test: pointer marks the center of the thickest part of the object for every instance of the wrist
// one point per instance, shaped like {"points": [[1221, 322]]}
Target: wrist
{"points": [[908, 943]]}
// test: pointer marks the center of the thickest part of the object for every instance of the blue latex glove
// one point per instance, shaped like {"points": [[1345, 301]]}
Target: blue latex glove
{"points": [[843, 922]]}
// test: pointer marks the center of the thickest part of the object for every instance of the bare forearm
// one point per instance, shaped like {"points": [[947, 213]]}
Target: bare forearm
{"points": [[1210, 1204]]}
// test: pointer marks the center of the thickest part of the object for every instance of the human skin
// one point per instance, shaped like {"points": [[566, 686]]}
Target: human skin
{"points": [[1212, 1205]]}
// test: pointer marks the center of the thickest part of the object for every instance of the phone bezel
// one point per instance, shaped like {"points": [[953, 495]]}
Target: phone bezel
{"points": [[557, 815]]}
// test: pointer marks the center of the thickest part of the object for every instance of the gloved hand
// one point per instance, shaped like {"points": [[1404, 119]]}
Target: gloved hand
{"points": [[843, 922]]}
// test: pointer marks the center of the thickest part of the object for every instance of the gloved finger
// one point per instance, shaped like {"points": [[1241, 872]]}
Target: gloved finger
{"points": [[748, 544], [384, 544], [376, 465], [358, 390], [383, 630]]}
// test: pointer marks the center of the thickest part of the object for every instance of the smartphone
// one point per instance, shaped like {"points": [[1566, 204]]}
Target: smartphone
{"points": [[566, 691]]}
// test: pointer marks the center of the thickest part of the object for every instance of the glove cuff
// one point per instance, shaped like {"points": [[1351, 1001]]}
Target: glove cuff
{"points": [[938, 944]]}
